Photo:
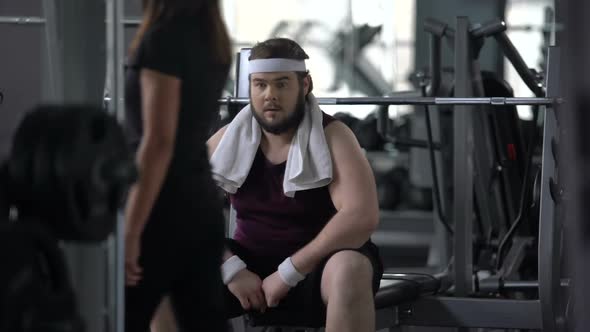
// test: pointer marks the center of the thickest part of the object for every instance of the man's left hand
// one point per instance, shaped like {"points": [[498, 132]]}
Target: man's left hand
{"points": [[275, 289]]}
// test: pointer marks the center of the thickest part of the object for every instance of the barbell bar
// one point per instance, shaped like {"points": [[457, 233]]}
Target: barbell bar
{"points": [[494, 101]]}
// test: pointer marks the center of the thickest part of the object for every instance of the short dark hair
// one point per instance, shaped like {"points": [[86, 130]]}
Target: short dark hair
{"points": [[281, 48]]}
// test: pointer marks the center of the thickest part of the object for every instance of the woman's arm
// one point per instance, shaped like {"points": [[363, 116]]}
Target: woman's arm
{"points": [[160, 104]]}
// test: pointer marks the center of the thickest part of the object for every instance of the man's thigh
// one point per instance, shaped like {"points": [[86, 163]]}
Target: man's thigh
{"points": [[306, 298], [351, 269]]}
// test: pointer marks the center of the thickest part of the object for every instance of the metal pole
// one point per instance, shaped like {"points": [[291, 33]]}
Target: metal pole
{"points": [[78, 65], [242, 79], [54, 71], [493, 101], [435, 64], [115, 58], [463, 164], [549, 227], [517, 61], [132, 21], [135, 21], [22, 19]]}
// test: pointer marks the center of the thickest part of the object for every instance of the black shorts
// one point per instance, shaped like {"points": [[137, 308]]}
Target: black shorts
{"points": [[304, 302]]}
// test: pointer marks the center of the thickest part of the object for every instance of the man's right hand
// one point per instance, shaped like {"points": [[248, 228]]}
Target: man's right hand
{"points": [[247, 287]]}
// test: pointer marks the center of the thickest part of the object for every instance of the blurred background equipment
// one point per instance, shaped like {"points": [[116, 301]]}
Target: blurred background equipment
{"points": [[64, 180]]}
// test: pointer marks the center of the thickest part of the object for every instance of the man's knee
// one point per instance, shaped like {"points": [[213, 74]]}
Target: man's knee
{"points": [[348, 274]]}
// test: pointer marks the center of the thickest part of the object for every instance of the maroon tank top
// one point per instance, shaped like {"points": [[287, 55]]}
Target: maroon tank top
{"points": [[272, 224]]}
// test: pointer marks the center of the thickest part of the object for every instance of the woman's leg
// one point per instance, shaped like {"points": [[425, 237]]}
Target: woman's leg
{"points": [[164, 320], [198, 295]]}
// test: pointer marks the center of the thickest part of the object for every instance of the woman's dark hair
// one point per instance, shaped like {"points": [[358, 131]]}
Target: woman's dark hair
{"points": [[206, 12]]}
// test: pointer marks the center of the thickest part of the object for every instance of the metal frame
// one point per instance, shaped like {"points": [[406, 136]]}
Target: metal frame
{"points": [[549, 228], [54, 80], [463, 164], [440, 249], [242, 83], [115, 55], [471, 313], [130, 21], [515, 256], [518, 63], [544, 313], [22, 20], [488, 195], [492, 101]]}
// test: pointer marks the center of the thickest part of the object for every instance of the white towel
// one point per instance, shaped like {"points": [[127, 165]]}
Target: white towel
{"points": [[309, 163]]}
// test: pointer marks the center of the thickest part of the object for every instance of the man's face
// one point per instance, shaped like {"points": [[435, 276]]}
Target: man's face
{"points": [[277, 100]]}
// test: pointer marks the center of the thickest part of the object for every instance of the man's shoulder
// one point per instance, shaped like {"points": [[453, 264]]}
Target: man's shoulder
{"points": [[327, 119], [341, 140], [336, 129]]}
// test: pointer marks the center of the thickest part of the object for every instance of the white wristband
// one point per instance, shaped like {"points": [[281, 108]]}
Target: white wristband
{"points": [[289, 274], [231, 267]]}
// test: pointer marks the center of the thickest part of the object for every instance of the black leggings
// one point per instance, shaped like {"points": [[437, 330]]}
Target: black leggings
{"points": [[180, 258]]}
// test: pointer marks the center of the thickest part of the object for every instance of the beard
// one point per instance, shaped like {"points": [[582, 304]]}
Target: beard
{"points": [[291, 121]]}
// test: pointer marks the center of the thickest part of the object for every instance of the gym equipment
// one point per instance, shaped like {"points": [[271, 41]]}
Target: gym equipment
{"points": [[66, 176], [391, 187], [549, 28], [400, 130], [440, 101], [345, 50], [365, 130], [540, 312], [348, 119], [405, 301], [21, 20], [35, 291], [397, 98], [503, 127], [419, 198], [40, 20], [357, 72], [395, 192], [70, 166], [63, 79], [367, 135]]}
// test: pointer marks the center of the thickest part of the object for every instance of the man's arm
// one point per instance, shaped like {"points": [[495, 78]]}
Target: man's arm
{"points": [[354, 195], [245, 285], [212, 144]]}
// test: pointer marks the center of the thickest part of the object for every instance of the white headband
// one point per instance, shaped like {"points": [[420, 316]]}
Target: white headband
{"points": [[275, 65]]}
